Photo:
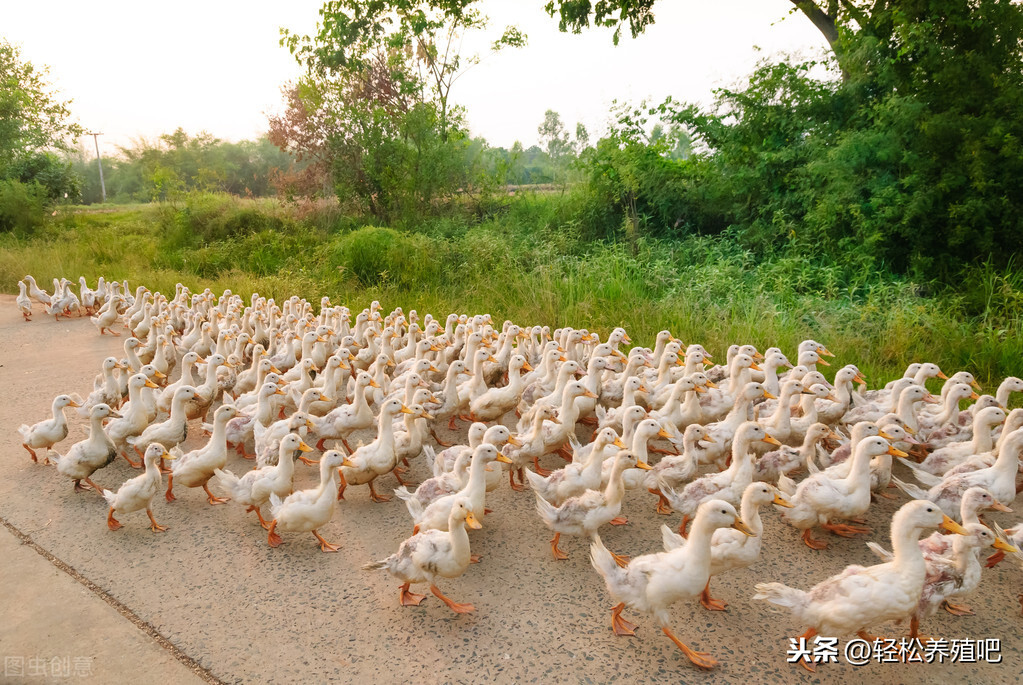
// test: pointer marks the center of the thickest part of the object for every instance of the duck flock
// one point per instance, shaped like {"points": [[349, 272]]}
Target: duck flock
{"points": [[274, 382]]}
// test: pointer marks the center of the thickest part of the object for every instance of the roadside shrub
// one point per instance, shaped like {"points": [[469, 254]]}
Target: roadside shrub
{"points": [[382, 256], [22, 206]]}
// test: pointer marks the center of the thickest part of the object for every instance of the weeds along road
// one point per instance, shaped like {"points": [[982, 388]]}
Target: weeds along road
{"points": [[210, 595]]}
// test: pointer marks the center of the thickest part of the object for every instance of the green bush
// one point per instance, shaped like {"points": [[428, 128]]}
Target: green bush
{"points": [[377, 256], [22, 206]]}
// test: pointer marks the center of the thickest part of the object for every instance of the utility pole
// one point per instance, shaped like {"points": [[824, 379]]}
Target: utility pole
{"points": [[99, 163]]}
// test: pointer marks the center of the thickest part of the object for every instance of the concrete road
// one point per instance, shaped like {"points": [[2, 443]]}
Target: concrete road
{"points": [[209, 599]]}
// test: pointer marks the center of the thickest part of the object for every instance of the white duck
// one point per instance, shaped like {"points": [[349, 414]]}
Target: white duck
{"points": [[23, 302], [675, 471], [90, 455], [861, 597], [653, 582], [951, 575], [732, 549], [194, 469], [786, 460], [433, 554], [307, 510], [576, 478], [998, 479], [46, 434], [436, 487], [496, 402], [135, 418], [435, 515], [138, 493], [170, 432], [255, 487], [585, 513], [824, 497], [727, 485], [376, 458]]}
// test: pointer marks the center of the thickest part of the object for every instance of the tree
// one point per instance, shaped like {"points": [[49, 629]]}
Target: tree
{"points": [[554, 136], [376, 100], [911, 164], [33, 118], [35, 124], [582, 137]]}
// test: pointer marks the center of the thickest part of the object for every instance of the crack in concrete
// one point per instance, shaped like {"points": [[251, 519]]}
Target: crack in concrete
{"points": [[121, 608]]}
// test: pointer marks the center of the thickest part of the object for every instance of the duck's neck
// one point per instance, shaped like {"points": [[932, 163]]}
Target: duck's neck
{"points": [[809, 406], [664, 370], [689, 448], [360, 398], [58, 416], [1007, 460], [738, 379], [906, 412], [697, 547], [286, 462], [514, 381], [615, 490], [1003, 392], [639, 446], [982, 441], [327, 485], [595, 459], [740, 410], [450, 384], [965, 556], [535, 429], [949, 409], [264, 410], [859, 470], [692, 366], [385, 429], [907, 555], [569, 413], [177, 412], [152, 471], [750, 514], [782, 417], [219, 437], [808, 448], [477, 481], [134, 397], [771, 379], [593, 378], [658, 351], [459, 539], [187, 375], [211, 376], [843, 393], [691, 403], [741, 467]]}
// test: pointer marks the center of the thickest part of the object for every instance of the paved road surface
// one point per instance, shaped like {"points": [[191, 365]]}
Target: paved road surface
{"points": [[210, 597]]}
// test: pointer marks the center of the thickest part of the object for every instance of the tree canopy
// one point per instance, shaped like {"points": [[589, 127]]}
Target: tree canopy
{"points": [[33, 118], [375, 105]]}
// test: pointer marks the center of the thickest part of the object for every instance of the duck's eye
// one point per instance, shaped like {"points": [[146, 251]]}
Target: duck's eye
{"points": [[929, 510]]}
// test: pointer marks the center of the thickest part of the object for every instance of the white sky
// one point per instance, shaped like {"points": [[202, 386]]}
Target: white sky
{"points": [[141, 69]]}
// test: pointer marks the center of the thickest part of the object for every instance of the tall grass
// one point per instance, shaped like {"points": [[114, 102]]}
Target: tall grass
{"points": [[529, 264]]}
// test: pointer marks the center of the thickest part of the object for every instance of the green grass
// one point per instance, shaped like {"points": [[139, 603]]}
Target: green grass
{"points": [[527, 263]]}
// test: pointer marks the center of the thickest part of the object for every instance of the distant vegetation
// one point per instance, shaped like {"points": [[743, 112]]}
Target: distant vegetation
{"points": [[870, 197]]}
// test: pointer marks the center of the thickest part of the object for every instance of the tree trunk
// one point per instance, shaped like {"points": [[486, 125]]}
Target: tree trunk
{"points": [[826, 24]]}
